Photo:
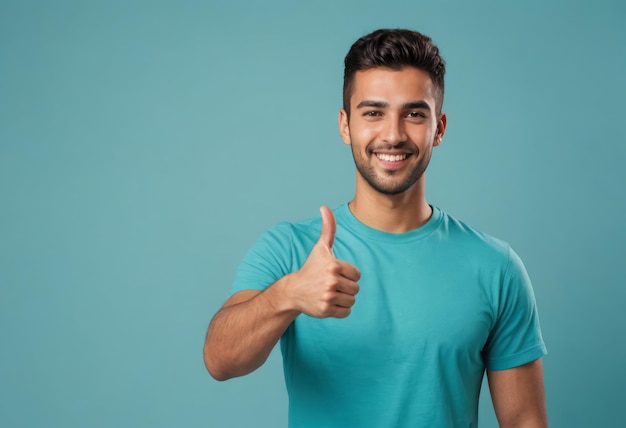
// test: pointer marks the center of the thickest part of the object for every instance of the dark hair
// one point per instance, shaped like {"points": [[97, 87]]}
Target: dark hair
{"points": [[394, 49]]}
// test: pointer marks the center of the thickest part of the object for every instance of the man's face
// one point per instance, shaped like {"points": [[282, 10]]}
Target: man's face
{"points": [[393, 127]]}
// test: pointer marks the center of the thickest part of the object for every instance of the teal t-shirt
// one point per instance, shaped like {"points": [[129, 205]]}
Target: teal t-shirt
{"points": [[436, 306]]}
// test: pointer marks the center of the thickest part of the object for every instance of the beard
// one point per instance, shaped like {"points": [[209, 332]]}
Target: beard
{"points": [[390, 182]]}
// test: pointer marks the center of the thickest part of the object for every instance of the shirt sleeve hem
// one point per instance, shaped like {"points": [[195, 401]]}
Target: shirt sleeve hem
{"points": [[515, 360]]}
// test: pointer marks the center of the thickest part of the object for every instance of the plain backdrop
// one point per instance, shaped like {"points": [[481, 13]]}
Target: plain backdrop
{"points": [[144, 145]]}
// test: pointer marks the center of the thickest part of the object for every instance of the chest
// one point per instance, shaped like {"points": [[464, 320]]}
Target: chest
{"points": [[413, 303]]}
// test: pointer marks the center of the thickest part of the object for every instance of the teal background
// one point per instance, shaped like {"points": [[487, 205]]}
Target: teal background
{"points": [[145, 145]]}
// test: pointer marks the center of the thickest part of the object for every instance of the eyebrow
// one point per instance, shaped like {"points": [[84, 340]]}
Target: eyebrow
{"points": [[384, 104]]}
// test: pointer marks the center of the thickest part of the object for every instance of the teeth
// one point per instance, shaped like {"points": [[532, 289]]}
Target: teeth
{"points": [[391, 158]]}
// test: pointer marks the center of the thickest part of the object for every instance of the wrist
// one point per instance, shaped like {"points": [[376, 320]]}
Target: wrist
{"points": [[279, 296]]}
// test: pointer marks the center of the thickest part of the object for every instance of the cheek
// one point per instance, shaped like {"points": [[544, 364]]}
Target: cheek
{"points": [[426, 136], [362, 135]]}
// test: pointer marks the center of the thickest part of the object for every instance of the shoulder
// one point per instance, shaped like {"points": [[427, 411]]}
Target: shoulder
{"points": [[296, 231], [473, 242], [288, 237], [273, 255], [493, 259]]}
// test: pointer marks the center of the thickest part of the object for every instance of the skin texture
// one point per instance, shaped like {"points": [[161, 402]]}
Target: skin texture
{"points": [[392, 113], [518, 396]]}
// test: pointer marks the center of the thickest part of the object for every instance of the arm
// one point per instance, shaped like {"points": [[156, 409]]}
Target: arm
{"points": [[518, 396], [246, 328], [244, 331]]}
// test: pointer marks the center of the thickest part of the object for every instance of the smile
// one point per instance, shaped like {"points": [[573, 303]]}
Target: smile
{"points": [[391, 158]]}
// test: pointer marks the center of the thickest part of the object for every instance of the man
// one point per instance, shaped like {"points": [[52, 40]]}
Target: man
{"points": [[438, 302]]}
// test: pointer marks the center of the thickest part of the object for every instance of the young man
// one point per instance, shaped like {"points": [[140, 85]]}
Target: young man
{"points": [[438, 302]]}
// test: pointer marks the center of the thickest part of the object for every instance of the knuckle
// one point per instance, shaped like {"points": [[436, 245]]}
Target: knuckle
{"points": [[327, 297], [331, 283], [324, 308], [334, 267]]}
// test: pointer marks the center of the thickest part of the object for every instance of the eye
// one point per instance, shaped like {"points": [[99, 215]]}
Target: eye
{"points": [[372, 113], [416, 115]]}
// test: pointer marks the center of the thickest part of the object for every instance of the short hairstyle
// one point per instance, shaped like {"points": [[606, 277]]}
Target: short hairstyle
{"points": [[394, 49]]}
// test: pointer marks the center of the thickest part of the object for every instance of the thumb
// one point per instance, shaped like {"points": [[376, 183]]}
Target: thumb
{"points": [[329, 226]]}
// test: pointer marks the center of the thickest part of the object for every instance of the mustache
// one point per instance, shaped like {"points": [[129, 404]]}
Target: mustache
{"points": [[400, 146]]}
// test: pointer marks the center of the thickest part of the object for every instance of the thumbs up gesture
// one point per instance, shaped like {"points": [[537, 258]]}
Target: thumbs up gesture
{"points": [[324, 286]]}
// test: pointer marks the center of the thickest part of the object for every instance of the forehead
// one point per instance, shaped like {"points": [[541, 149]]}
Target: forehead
{"points": [[393, 86]]}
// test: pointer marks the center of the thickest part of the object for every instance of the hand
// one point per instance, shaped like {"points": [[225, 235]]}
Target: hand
{"points": [[324, 286]]}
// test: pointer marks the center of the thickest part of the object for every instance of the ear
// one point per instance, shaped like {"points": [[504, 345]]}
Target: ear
{"points": [[344, 127], [441, 129]]}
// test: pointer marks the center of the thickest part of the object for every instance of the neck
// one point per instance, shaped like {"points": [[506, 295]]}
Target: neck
{"points": [[391, 213]]}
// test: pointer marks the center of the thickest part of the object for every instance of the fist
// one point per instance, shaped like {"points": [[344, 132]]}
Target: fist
{"points": [[324, 286]]}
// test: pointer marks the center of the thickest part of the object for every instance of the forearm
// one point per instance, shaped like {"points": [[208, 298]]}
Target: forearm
{"points": [[242, 335]]}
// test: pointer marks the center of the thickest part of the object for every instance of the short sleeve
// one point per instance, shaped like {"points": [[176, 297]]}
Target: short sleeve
{"points": [[268, 260], [516, 336]]}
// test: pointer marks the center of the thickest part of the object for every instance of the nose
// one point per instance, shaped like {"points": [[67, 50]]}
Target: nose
{"points": [[393, 132]]}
